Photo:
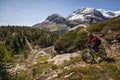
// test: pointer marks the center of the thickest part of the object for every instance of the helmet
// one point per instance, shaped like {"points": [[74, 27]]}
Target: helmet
{"points": [[90, 34]]}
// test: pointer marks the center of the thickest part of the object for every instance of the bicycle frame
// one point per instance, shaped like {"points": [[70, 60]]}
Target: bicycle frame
{"points": [[89, 48], [89, 54]]}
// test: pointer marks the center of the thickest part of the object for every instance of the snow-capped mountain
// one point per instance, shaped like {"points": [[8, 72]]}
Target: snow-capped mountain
{"points": [[109, 13], [85, 13]]}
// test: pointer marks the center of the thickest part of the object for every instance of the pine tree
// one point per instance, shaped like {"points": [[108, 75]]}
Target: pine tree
{"points": [[4, 64]]}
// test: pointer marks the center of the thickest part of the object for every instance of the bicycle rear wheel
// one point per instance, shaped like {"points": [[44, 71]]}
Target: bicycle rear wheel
{"points": [[102, 53], [87, 57]]}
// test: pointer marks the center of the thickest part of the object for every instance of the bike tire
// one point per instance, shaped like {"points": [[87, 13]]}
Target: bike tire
{"points": [[84, 57], [102, 53]]}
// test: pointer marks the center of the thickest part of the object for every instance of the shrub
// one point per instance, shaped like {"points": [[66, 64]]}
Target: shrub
{"points": [[71, 41]]}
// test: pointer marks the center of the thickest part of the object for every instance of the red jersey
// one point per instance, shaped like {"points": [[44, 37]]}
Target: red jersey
{"points": [[93, 38]]}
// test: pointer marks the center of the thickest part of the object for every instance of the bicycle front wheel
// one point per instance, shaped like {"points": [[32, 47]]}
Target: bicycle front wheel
{"points": [[102, 53], [87, 57]]}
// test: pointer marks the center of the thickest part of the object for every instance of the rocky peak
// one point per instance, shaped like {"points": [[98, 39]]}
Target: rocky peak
{"points": [[56, 18]]}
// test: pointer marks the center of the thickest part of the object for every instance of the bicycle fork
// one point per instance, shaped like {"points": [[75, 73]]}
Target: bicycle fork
{"points": [[88, 53]]}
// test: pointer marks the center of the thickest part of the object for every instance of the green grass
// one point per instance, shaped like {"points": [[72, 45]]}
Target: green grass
{"points": [[35, 71], [103, 71]]}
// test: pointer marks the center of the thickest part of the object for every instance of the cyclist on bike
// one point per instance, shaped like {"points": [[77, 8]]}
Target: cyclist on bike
{"points": [[93, 39]]}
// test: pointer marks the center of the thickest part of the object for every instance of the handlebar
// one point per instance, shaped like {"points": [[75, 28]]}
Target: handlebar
{"points": [[88, 46]]}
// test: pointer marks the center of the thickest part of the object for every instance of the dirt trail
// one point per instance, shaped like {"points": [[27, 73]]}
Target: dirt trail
{"points": [[35, 53], [28, 43], [59, 59]]}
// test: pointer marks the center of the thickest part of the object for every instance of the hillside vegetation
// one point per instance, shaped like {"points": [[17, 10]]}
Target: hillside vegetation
{"points": [[14, 48], [73, 69], [14, 37], [75, 39], [71, 41], [109, 29], [13, 41]]}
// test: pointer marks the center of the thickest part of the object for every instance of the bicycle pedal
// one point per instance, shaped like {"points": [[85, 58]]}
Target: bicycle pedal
{"points": [[94, 62]]}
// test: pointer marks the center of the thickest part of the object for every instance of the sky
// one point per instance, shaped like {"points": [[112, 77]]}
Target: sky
{"points": [[30, 12]]}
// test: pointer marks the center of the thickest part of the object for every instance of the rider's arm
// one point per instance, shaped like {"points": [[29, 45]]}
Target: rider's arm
{"points": [[87, 42], [94, 38]]}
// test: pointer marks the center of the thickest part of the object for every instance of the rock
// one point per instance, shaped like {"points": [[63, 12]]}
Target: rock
{"points": [[59, 59], [66, 67], [35, 62], [99, 67], [55, 75], [69, 75]]}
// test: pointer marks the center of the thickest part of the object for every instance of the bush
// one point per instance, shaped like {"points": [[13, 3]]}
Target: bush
{"points": [[71, 41]]}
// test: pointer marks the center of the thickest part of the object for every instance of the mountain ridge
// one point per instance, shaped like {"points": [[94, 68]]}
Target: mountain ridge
{"points": [[54, 23], [58, 23]]}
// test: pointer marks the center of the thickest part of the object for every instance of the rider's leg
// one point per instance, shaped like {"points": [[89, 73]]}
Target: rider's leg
{"points": [[96, 46]]}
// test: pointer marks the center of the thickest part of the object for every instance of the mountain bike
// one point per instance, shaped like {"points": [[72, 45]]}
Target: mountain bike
{"points": [[89, 54]]}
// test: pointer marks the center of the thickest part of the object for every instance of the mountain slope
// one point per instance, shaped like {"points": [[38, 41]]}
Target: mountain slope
{"points": [[109, 29], [55, 23], [75, 39], [74, 68]]}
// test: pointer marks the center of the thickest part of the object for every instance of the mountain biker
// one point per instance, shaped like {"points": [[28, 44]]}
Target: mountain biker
{"points": [[93, 39]]}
